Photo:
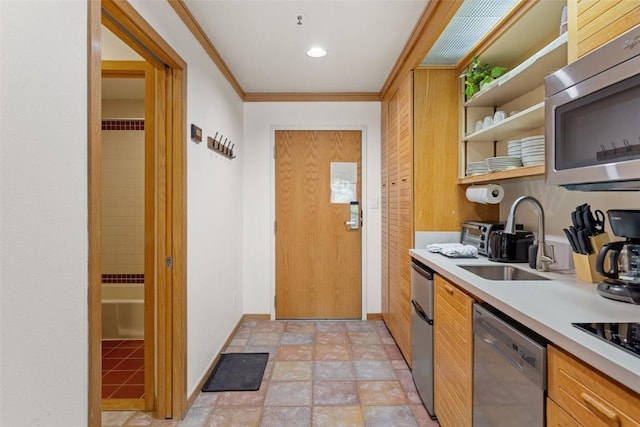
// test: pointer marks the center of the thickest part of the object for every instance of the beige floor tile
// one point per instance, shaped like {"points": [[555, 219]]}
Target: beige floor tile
{"points": [[331, 338], [286, 416], [292, 371], [368, 352], [242, 398], [301, 327], [295, 352], [334, 370], [293, 393], [337, 416], [364, 338], [235, 417], [381, 393], [332, 352], [335, 393]]}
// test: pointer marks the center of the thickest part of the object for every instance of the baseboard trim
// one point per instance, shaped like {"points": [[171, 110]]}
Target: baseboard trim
{"points": [[374, 316], [245, 318], [122, 405]]}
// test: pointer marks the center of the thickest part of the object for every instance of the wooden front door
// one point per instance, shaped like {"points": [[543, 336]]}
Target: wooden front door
{"points": [[318, 256]]}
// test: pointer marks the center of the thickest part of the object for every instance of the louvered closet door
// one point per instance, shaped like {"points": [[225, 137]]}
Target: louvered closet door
{"points": [[384, 210]]}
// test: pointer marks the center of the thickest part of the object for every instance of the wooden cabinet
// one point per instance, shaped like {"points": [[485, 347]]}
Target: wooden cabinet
{"points": [[419, 183], [599, 21], [397, 214], [581, 396], [453, 355], [519, 92]]}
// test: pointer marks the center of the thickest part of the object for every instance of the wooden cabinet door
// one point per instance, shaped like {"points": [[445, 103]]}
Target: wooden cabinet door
{"points": [[384, 209], [599, 21], [453, 355], [557, 417], [588, 396], [399, 233]]}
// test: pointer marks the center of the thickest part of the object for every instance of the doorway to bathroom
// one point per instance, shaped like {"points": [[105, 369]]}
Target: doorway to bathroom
{"points": [[165, 212], [128, 235]]}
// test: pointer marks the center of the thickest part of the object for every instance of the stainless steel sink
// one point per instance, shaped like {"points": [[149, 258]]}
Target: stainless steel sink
{"points": [[501, 272]]}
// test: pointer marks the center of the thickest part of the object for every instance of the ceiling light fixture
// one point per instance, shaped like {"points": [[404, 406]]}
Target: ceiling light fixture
{"points": [[316, 52]]}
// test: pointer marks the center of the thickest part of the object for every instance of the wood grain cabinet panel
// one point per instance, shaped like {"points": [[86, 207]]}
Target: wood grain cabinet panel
{"points": [[453, 355], [599, 21], [557, 417], [588, 396], [419, 183]]}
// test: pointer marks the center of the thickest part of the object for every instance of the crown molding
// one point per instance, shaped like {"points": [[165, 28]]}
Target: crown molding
{"points": [[313, 97]]}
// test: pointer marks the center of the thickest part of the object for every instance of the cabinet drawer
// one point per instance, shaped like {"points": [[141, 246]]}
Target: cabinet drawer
{"points": [[590, 397], [557, 417]]}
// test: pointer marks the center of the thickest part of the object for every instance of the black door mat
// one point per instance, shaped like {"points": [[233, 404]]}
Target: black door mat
{"points": [[237, 372]]}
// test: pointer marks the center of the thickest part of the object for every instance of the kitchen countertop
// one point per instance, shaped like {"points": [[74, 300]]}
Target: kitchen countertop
{"points": [[549, 307]]}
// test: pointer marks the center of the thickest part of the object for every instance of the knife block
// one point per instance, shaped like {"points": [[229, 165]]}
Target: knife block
{"points": [[586, 264]]}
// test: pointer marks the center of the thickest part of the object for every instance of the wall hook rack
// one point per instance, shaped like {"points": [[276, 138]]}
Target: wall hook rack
{"points": [[224, 148]]}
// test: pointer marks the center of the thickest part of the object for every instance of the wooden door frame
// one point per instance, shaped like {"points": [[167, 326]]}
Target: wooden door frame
{"points": [[170, 219], [143, 70], [363, 205]]}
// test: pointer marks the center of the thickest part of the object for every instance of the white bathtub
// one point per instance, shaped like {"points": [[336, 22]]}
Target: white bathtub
{"points": [[122, 311]]}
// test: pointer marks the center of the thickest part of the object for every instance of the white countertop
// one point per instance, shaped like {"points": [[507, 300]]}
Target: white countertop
{"points": [[549, 307]]}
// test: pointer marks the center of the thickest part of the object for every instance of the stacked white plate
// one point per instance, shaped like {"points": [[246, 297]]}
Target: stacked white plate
{"points": [[476, 168], [533, 150], [503, 163], [514, 148]]}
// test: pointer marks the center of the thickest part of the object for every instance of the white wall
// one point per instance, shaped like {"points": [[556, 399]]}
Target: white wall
{"points": [[214, 197], [43, 214], [261, 121]]}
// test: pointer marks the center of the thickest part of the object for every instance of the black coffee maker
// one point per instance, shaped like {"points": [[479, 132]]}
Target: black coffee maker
{"points": [[619, 262]]}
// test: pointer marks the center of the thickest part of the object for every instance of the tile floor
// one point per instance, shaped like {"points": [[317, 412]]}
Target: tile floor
{"points": [[320, 373], [123, 369]]}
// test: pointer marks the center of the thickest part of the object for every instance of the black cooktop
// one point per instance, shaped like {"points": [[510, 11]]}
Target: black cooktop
{"points": [[623, 335]]}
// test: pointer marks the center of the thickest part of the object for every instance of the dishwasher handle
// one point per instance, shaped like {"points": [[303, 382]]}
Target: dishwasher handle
{"points": [[422, 269], [492, 343], [421, 312]]}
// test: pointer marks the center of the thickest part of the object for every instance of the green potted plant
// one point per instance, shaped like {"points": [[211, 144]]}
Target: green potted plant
{"points": [[476, 74]]}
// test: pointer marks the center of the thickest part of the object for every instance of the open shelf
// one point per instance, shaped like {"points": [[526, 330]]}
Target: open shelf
{"points": [[525, 77], [527, 171], [531, 118]]}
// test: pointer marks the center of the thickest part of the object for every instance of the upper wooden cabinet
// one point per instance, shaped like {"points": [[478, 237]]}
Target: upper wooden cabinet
{"points": [[519, 93], [595, 22]]}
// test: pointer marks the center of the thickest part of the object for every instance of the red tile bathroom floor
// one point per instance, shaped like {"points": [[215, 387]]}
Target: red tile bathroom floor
{"points": [[122, 369]]}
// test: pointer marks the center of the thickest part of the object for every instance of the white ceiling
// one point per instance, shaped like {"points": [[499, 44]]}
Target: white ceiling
{"points": [[264, 47]]}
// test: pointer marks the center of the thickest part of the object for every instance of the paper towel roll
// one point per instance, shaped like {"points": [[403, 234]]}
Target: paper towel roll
{"points": [[485, 193]]}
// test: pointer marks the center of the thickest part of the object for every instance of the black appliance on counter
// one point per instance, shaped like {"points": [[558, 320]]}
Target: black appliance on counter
{"points": [[623, 335], [507, 247], [476, 233], [619, 261]]}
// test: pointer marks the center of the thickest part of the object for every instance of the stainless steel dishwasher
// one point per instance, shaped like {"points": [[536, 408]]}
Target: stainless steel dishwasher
{"points": [[422, 332], [509, 372]]}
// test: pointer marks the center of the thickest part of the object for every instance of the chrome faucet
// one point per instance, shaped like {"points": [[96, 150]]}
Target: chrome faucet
{"points": [[542, 258]]}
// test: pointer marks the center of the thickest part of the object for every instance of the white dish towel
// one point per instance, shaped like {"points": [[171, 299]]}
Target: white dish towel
{"points": [[454, 250]]}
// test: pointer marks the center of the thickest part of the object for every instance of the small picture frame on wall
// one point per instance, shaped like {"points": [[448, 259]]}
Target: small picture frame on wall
{"points": [[196, 134]]}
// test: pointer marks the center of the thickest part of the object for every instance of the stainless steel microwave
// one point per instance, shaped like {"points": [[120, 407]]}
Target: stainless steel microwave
{"points": [[592, 119]]}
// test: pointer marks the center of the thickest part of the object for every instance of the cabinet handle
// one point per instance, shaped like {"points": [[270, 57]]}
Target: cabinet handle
{"points": [[449, 289], [393, 183], [600, 409], [404, 179]]}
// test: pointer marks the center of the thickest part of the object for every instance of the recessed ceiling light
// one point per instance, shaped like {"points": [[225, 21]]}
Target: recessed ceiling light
{"points": [[316, 52]]}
